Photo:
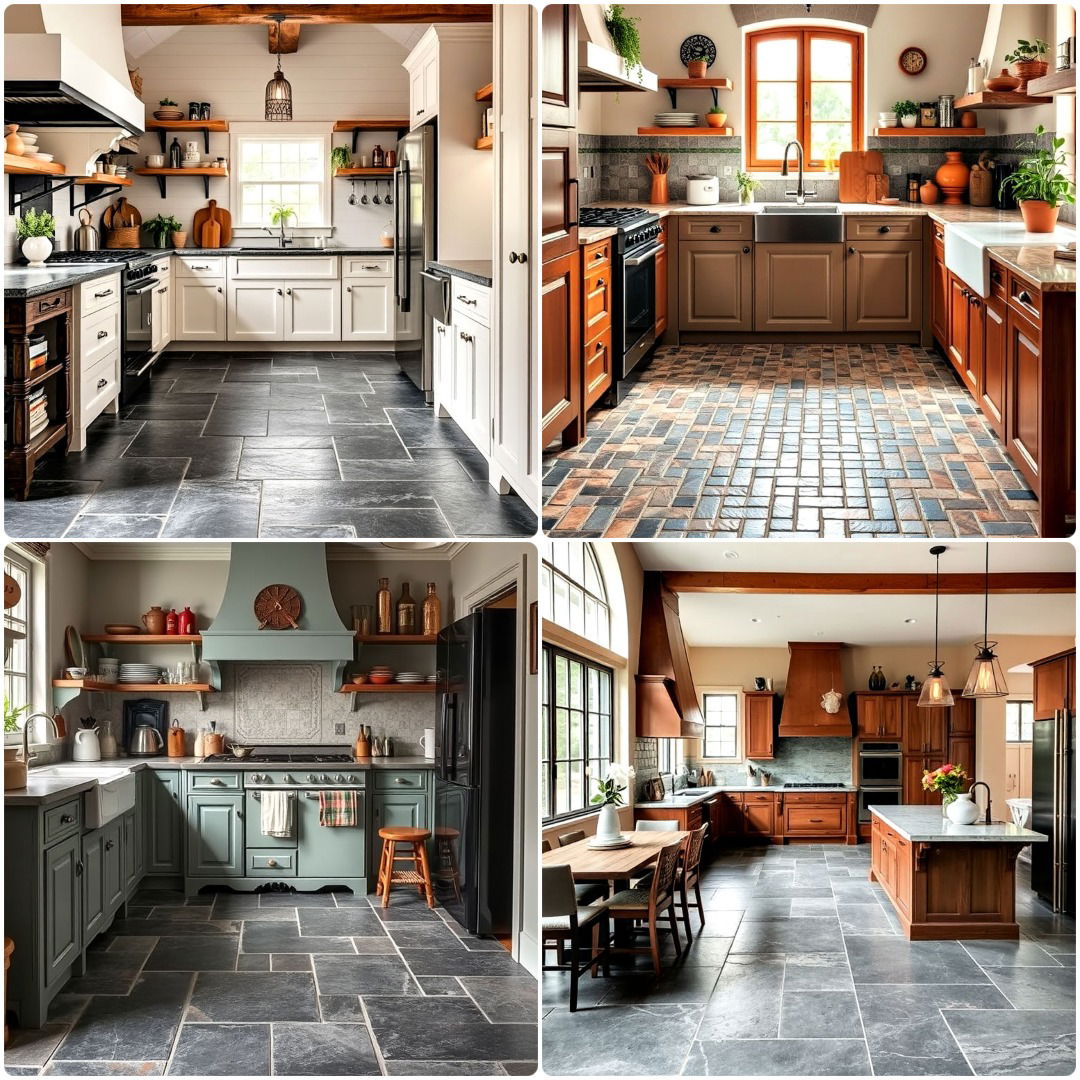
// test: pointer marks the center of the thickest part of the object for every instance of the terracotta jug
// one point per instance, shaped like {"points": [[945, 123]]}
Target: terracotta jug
{"points": [[154, 620], [952, 178], [13, 144], [928, 193]]}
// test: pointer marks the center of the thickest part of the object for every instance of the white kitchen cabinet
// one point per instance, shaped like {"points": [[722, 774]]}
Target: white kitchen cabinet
{"points": [[442, 364], [96, 349], [469, 384], [422, 65], [312, 311], [161, 307], [367, 309], [198, 309], [255, 310]]}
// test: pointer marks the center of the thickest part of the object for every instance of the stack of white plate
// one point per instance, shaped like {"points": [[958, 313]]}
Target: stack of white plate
{"points": [[191, 164], [887, 120], [432, 678], [676, 119], [409, 677], [139, 673]]}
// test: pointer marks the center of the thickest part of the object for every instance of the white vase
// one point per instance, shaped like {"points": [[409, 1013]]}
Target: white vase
{"points": [[908, 121], [37, 249], [962, 810], [607, 824]]}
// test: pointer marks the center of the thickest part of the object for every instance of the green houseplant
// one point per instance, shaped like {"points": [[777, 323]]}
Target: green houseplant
{"points": [[907, 113], [36, 229], [12, 713], [1028, 61], [161, 229], [340, 158], [746, 185], [625, 37], [697, 67], [1039, 184], [715, 117]]}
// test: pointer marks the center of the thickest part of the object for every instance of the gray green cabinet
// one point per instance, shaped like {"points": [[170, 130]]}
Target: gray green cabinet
{"points": [[93, 884], [215, 825], [114, 866], [131, 847], [163, 830], [329, 852], [60, 902], [400, 808]]}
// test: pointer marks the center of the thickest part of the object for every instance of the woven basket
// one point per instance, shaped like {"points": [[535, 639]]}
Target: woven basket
{"points": [[126, 237]]}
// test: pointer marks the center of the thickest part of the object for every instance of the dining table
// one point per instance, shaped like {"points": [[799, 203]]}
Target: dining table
{"points": [[612, 864]]}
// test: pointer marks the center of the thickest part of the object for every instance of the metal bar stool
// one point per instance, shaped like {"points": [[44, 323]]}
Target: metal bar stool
{"points": [[419, 875]]}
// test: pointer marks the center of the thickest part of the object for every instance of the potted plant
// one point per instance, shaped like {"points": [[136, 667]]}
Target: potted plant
{"points": [[697, 66], [340, 158], [625, 38], [746, 185], [168, 110], [280, 216], [161, 229], [36, 230], [947, 782], [609, 795], [1039, 184], [1027, 61], [12, 731], [715, 117], [907, 112]]}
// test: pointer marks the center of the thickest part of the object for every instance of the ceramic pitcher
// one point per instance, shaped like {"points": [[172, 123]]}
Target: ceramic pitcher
{"points": [[154, 620]]}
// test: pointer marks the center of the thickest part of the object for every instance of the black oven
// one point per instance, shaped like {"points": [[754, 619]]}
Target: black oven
{"points": [[878, 796], [638, 306], [881, 764], [137, 328]]}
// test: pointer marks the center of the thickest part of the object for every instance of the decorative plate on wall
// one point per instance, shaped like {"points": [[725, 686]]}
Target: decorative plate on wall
{"points": [[695, 46], [912, 60], [278, 606]]}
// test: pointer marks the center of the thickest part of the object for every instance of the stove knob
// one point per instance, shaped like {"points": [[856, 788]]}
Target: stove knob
{"points": [[325, 778], [288, 779], [255, 778], [340, 779], [312, 778], [267, 778]]}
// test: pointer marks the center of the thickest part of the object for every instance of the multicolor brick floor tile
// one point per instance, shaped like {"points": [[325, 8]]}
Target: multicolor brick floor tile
{"points": [[789, 440]]}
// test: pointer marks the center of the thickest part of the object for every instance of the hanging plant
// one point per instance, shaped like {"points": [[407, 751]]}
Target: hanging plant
{"points": [[340, 158], [625, 37]]}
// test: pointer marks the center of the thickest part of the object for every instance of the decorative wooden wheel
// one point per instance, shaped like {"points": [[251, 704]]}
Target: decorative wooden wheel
{"points": [[277, 607]]}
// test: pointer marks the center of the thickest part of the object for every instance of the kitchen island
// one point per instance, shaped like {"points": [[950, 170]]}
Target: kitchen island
{"points": [[947, 881]]}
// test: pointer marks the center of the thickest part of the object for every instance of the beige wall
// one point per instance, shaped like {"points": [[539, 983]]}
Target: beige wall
{"points": [[1026, 21]]}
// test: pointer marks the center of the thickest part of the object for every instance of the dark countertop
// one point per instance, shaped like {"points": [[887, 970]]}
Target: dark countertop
{"points": [[238, 249], [477, 270], [21, 283]]}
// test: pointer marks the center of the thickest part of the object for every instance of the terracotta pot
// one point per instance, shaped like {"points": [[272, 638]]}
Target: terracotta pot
{"points": [[179, 239], [1002, 82], [1039, 216], [928, 193], [952, 178], [716, 120], [1026, 70], [13, 144], [968, 119], [154, 620], [659, 193], [696, 69]]}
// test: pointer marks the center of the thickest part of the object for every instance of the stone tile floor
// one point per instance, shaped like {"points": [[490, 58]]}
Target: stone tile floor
{"points": [[310, 984], [275, 445], [789, 440], [801, 969]]}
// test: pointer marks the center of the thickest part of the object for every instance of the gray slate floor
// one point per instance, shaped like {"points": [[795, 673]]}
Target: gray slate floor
{"points": [[801, 970], [287, 985], [276, 445]]}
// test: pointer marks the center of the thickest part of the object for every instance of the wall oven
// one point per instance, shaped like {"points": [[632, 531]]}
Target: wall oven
{"points": [[881, 764], [877, 796]]}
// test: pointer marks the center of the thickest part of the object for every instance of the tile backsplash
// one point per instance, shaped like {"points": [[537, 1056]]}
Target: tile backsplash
{"points": [[797, 760]]}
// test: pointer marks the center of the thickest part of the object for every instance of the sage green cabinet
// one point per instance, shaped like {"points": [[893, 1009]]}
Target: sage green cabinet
{"points": [[114, 866], [93, 884], [163, 829], [216, 835], [63, 930], [131, 846], [329, 851], [409, 808]]}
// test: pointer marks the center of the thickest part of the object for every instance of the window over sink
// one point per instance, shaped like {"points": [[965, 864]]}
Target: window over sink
{"points": [[24, 674], [292, 170]]}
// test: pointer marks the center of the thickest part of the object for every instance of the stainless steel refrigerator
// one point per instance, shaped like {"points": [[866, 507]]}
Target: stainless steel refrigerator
{"points": [[1053, 809], [414, 247], [473, 867]]}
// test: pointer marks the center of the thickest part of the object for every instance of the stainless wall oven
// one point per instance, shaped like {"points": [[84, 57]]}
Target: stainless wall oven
{"points": [[877, 796], [881, 764]]}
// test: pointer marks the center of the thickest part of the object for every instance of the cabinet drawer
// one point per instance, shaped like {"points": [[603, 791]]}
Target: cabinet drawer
{"points": [[756, 797], [369, 266], [597, 255], [998, 281], [716, 227], [826, 820], [598, 368], [597, 301], [883, 227], [1025, 298], [63, 820], [386, 780], [215, 781], [818, 798], [52, 304], [99, 334], [270, 863], [199, 266], [98, 294], [277, 267], [471, 299], [694, 817], [99, 384]]}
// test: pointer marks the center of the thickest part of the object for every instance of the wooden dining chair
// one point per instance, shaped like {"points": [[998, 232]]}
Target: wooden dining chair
{"points": [[545, 845], [648, 904], [563, 919], [663, 825], [688, 876], [571, 837]]}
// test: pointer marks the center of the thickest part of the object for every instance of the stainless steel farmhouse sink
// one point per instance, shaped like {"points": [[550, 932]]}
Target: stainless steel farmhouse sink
{"points": [[789, 224], [795, 208]]}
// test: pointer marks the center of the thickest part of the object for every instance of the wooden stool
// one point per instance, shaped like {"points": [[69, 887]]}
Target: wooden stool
{"points": [[419, 875], [446, 864]]}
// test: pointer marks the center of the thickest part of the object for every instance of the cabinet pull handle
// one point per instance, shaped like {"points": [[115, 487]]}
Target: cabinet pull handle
{"points": [[99, 295], [79, 868], [200, 268], [815, 821], [43, 305], [601, 282], [441, 329], [419, 112], [884, 229], [109, 845], [370, 266], [102, 334], [102, 383], [400, 780], [466, 300], [67, 819], [164, 289], [217, 783], [464, 336], [1024, 296], [599, 255], [599, 346], [746, 249]]}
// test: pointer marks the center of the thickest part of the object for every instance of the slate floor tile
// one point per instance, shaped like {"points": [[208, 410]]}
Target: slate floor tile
{"points": [[324, 1050], [340, 1008], [446, 1068], [51, 508], [187, 954], [279, 937], [779, 1057], [459, 962], [338, 922], [1017, 1043], [222, 1050], [1035, 987], [819, 1014], [253, 997], [103, 1068], [384, 975], [30, 1048], [284, 464]]}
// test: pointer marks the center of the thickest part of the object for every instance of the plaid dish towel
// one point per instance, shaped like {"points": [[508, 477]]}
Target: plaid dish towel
{"points": [[337, 808]]}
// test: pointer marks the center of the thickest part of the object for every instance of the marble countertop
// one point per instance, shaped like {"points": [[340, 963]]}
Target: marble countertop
{"points": [[590, 234], [925, 824], [476, 270], [1036, 263]]}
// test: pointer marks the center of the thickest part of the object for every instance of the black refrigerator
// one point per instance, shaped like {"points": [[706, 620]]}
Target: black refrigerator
{"points": [[1053, 809], [474, 771]]}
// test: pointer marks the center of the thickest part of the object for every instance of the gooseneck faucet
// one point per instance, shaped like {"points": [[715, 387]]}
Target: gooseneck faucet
{"points": [[800, 192], [27, 760], [971, 792]]}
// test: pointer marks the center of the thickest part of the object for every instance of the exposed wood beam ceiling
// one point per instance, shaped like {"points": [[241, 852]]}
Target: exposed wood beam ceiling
{"points": [[284, 37], [691, 581], [234, 14]]}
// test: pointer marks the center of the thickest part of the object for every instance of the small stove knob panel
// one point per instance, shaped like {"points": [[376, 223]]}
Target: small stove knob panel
{"points": [[312, 778], [288, 779]]}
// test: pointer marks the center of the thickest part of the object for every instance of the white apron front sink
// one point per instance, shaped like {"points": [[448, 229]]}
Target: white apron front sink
{"points": [[966, 244], [111, 796]]}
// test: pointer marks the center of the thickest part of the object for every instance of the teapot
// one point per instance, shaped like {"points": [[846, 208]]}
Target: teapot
{"points": [[87, 747], [830, 702], [145, 742]]}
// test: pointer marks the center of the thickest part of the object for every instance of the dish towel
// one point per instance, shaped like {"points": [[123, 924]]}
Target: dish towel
{"points": [[277, 813], [337, 808]]}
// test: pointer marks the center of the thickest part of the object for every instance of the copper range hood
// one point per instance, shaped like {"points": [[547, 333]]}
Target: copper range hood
{"points": [[813, 670]]}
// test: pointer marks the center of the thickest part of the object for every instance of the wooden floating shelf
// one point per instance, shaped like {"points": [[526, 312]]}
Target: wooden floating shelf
{"points": [[394, 639], [370, 125], [24, 166], [931, 132], [201, 171], [1056, 82], [144, 639], [350, 172], [683, 132], [485, 92], [389, 688], [695, 84], [999, 99], [134, 688], [187, 125], [103, 179], [485, 142]]}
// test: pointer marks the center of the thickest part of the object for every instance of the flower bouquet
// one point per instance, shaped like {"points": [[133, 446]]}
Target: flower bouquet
{"points": [[610, 796], [947, 781]]}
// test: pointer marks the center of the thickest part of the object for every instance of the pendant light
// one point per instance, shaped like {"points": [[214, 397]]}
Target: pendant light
{"points": [[278, 90], [986, 679], [935, 690]]}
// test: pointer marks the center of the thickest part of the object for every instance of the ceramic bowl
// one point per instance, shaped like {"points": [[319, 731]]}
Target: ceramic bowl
{"points": [[75, 672], [122, 628], [381, 680]]}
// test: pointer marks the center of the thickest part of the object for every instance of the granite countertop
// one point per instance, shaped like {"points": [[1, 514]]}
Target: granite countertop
{"points": [[700, 795], [476, 270], [590, 234], [925, 824], [21, 283], [1036, 263]]}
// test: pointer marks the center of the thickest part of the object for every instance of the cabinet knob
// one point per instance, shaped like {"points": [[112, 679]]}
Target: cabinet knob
{"points": [[288, 292], [464, 336], [601, 282], [219, 289], [278, 291], [522, 257], [67, 819], [599, 346], [746, 249], [885, 229], [851, 251], [271, 862], [1024, 296]]}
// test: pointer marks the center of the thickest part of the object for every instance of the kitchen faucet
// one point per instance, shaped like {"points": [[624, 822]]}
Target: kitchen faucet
{"points": [[27, 760], [971, 792], [800, 193], [282, 239]]}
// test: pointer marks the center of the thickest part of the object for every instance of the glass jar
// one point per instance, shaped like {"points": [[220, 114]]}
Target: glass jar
{"points": [[946, 116], [384, 608], [914, 181], [406, 611], [928, 114]]}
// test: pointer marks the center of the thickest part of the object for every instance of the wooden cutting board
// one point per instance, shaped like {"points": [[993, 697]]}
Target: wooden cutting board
{"points": [[877, 187], [121, 214], [855, 165], [224, 219]]}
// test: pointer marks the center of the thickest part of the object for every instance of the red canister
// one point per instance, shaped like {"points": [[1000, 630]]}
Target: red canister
{"points": [[172, 622], [186, 622]]}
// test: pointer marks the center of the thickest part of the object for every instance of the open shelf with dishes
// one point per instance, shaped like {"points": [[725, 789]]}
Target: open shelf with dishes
{"points": [[388, 688], [682, 132], [164, 128], [18, 165], [207, 172], [673, 86], [143, 639]]}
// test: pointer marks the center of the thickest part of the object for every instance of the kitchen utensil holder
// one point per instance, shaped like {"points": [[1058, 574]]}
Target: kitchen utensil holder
{"points": [[126, 237]]}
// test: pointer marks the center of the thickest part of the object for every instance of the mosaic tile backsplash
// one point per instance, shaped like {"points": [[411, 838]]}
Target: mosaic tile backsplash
{"points": [[796, 761]]}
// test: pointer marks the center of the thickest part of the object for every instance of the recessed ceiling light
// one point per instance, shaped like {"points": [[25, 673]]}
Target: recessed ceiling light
{"points": [[755, 620], [910, 621]]}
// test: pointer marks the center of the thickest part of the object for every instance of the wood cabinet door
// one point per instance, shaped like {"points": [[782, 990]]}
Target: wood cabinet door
{"points": [[758, 724], [902, 873], [758, 819], [939, 296], [558, 192], [409, 808], [714, 808], [661, 280], [560, 343], [129, 848], [597, 298], [716, 285], [1023, 381], [1052, 688], [913, 773], [924, 730], [962, 752], [731, 815], [958, 325], [62, 903], [992, 399], [558, 66], [892, 718], [975, 360], [962, 717], [884, 285], [598, 368], [799, 287], [868, 713]]}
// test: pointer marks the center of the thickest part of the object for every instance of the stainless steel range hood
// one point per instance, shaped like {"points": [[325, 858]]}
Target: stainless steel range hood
{"points": [[235, 633]]}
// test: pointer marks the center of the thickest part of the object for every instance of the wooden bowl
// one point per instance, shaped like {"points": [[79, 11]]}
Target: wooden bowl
{"points": [[122, 628], [359, 679]]}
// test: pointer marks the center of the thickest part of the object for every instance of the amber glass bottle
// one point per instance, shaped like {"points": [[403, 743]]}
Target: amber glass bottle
{"points": [[384, 608], [406, 611], [432, 611]]}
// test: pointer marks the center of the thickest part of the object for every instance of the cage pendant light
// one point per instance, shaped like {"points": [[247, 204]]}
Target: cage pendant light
{"points": [[986, 679], [935, 690], [278, 90]]}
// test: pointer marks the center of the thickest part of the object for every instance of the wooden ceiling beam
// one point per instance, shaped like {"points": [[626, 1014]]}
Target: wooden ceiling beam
{"points": [[707, 581], [233, 14], [284, 37]]}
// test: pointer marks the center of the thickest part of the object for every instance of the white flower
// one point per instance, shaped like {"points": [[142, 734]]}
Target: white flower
{"points": [[622, 774]]}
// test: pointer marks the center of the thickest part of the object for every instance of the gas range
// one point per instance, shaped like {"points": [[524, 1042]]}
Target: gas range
{"points": [[636, 226], [138, 263], [816, 784], [288, 755]]}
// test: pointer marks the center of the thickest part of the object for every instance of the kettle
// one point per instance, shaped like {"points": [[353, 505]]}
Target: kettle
{"points": [[146, 742], [86, 236], [86, 747]]}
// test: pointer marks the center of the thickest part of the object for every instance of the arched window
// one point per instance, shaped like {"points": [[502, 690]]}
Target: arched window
{"points": [[573, 590]]}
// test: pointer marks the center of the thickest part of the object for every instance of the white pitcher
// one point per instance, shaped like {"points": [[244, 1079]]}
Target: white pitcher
{"points": [[87, 747]]}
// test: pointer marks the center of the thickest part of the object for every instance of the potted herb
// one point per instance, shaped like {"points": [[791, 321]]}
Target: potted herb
{"points": [[625, 38], [161, 229], [1039, 184], [715, 117], [609, 795], [1027, 61], [280, 216], [746, 185], [340, 158], [907, 112], [12, 731], [36, 230], [697, 66], [168, 110]]}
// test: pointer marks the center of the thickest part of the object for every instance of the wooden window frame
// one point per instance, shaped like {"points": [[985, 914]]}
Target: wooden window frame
{"points": [[740, 722], [803, 34]]}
